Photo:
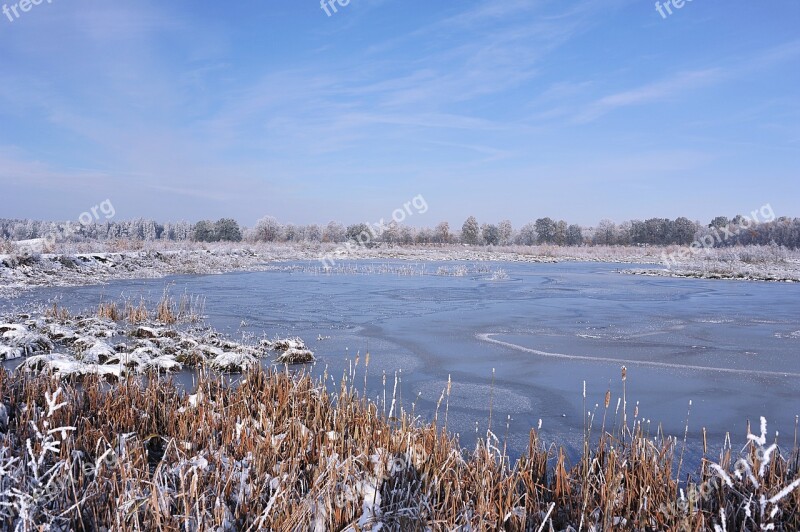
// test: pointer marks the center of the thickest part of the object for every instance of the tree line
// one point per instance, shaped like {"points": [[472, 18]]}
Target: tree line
{"points": [[721, 230]]}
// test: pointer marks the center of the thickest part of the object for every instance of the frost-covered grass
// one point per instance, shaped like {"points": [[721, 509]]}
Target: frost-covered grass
{"points": [[277, 451], [752, 263], [137, 343], [731, 265]]}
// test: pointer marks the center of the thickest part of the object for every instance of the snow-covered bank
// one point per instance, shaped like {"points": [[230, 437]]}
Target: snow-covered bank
{"points": [[76, 267], [787, 271], [55, 343], [734, 275], [62, 269]]}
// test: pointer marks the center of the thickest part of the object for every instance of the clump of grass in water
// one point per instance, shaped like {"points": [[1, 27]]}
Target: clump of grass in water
{"points": [[165, 311], [187, 309], [109, 310], [55, 311], [279, 451], [136, 314]]}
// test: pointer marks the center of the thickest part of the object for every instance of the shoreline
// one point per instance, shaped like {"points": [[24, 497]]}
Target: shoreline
{"points": [[716, 276], [66, 269]]}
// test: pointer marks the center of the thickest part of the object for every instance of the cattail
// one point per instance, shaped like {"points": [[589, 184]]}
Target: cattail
{"points": [[705, 442], [608, 398], [624, 373]]}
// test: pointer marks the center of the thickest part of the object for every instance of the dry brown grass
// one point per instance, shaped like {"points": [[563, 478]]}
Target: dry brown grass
{"points": [[57, 312], [280, 452], [109, 311], [136, 314], [165, 311], [191, 308], [168, 311]]}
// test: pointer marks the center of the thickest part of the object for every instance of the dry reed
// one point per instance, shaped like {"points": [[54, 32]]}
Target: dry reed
{"points": [[277, 451]]}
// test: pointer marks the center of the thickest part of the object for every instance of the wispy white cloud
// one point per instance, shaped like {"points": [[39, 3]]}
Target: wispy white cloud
{"points": [[171, 98], [22, 169], [665, 89], [681, 83]]}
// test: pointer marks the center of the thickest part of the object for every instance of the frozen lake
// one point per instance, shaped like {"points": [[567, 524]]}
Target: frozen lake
{"points": [[733, 348]]}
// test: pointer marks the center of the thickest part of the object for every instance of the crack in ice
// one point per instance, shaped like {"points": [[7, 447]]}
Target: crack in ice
{"points": [[488, 337]]}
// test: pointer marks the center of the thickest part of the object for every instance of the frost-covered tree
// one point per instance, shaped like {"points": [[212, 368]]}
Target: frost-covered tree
{"points": [[334, 232], [527, 235], [424, 236], [360, 234], [149, 231], [442, 233], [490, 234], [683, 231], [574, 235], [227, 229], [407, 235], [32, 229], [560, 237], [293, 233], [506, 232], [657, 231], [545, 230], [719, 221], [175, 232], [203, 231], [391, 234], [606, 233], [182, 230], [267, 229], [470, 231], [314, 233]]}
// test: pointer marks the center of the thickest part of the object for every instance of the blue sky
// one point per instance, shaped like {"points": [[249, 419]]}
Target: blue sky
{"points": [[515, 109]]}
